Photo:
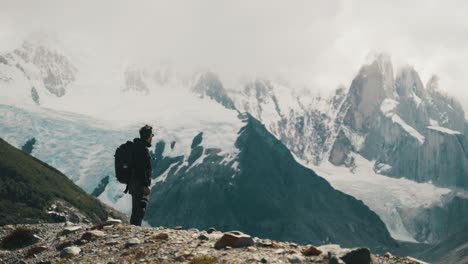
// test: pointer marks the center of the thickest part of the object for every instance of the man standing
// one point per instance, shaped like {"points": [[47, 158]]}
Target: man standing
{"points": [[140, 181]]}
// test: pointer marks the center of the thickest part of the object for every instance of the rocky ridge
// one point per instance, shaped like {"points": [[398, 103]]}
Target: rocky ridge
{"points": [[113, 242]]}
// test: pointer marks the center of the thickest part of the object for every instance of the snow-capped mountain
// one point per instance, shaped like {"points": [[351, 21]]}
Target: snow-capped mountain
{"points": [[381, 125]]}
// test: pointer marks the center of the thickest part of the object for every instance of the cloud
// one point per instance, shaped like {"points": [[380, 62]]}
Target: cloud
{"points": [[317, 43]]}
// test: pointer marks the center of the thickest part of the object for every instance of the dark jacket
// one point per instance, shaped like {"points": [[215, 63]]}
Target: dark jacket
{"points": [[142, 167]]}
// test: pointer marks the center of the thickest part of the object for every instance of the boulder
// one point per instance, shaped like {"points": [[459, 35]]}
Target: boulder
{"points": [[133, 242], [35, 250], [311, 251], [71, 229], [358, 256], [235, 240], [92, 235], [69, 252], [161, 236]]}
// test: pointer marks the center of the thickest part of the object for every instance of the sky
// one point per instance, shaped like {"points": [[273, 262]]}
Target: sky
{"points": [[318, 44]]}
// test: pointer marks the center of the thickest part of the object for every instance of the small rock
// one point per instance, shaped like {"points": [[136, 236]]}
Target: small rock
{"points": [[177, 228], [112, 243], [107, 227], [161, 236], [71, 229], [182, 255], [234, 240], [296, 258], [202, 237], [64, 244], [280, 251], [294, 245], [252, 249], [263, 260], [358, 256], [112, 221], [194, 230], [388, 255], [70, 252], [93, 234], [35, 250], [267, 244], [57, 217], [211, 230], [413, 260], [132, 242], [311, 251]]}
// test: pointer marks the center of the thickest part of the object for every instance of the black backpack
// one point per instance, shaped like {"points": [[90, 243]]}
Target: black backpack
{"points": [[123, 162]]}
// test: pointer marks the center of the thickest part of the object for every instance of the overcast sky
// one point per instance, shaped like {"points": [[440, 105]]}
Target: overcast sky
{"points": [[318, 43]]}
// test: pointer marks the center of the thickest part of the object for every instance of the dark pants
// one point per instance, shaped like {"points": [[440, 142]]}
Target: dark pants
{"points": [[138, 209]]}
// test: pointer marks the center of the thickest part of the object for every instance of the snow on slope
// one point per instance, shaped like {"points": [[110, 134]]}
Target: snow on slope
{"points": [[383, 195], [444, 130], [82, 147], [388, 108]]}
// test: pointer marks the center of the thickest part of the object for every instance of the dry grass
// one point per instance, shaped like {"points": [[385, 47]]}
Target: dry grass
{"points": [[203, 260]]}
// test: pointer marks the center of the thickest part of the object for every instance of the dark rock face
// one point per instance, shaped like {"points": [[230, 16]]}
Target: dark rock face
{"points": [[454, 249], [209, 85], [35, 95], [364, 98], [101, 187], [439, 222], [261, 197], [29, 146]]}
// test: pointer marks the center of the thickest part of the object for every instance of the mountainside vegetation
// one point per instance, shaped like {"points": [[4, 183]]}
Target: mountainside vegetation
{"points": [[29, 186]]}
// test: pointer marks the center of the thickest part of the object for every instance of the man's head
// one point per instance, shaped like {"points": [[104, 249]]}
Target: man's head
{"points": [[146, 133]]}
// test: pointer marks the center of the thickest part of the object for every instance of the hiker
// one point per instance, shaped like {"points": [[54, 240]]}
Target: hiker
{"points": [[140, 180]]}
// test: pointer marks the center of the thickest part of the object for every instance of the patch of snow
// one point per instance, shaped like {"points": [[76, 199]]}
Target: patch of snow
{"points": [[381, 193], [412, 131], [444, 130], [417, 99], [388, 107], [356, 140], [382, 168], [433, 122]]}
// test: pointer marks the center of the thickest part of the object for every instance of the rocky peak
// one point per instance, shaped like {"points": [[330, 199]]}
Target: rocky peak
{"points": [[408, 83], [433, 83], [370, 87], [208, 84], [261, 89]]}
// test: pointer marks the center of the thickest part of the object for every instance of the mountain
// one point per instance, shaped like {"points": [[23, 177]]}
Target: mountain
{"points": [[40, 70], [33, 191], [367, 140], [385, 124], [263, 191]]}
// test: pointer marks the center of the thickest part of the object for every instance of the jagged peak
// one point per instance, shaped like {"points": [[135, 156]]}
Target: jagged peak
{"points": [[408, 81], [433, 83], [382, 59]]}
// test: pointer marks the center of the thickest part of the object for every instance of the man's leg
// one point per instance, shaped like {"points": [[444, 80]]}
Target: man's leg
{"points": [[138, 209]]}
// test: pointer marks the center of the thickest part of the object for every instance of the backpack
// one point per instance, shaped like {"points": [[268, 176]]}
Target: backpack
{"points": [[123, 162]]}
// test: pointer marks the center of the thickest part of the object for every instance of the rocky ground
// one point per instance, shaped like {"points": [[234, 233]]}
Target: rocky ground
{"points": [[113, 242]]}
